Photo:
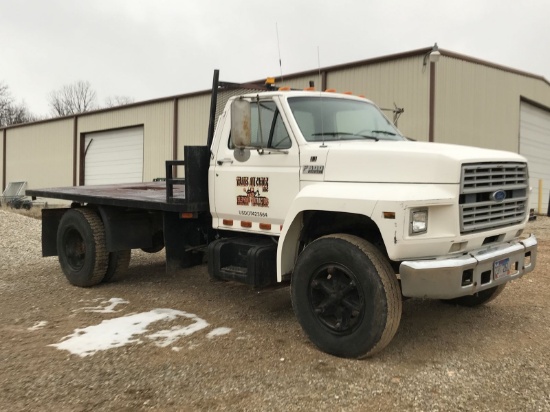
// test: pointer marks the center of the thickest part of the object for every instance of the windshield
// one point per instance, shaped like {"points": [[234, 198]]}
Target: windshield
{"points": [[325, 119]]}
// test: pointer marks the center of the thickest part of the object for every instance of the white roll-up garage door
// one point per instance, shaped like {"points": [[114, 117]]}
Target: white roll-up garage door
{"points": [[114, 156], [534, 144]]}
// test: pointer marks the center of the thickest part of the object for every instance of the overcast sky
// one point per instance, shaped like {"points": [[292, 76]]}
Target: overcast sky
{"points": [[149, 49]]}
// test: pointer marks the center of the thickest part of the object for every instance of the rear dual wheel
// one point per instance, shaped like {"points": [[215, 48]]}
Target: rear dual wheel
{"points": [[83, 256], [477, 299], [346, 296], [118, 264]]}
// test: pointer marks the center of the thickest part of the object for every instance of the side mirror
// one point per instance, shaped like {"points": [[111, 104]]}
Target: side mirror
{"points": [[240, 123]]}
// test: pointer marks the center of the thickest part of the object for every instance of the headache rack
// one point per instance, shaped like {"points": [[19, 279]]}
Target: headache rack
{"points": [[197, 158], [493, 195]]}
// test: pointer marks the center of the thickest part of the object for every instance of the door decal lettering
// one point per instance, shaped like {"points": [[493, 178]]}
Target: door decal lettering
{"points": [[251, 191]]}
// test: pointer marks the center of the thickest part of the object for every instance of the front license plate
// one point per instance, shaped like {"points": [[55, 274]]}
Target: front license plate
{"points": [[501, 268]]}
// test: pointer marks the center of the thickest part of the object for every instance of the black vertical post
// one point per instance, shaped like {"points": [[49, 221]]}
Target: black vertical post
{"points": [[213, 104], [175, 240], [178, 235]]}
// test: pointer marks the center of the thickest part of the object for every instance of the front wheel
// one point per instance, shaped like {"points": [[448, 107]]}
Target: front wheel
{"points": [[477, 299], [346, 296]]}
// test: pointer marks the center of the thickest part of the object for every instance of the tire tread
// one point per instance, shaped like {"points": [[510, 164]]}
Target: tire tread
{"points": [[101, 254], [391, 286], [118, 264]]}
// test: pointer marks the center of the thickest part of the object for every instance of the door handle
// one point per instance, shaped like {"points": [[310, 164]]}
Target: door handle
{"points": [[226, 160]]}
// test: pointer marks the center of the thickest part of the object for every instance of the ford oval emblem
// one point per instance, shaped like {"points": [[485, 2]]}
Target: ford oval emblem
{"points": [[498, 196]]}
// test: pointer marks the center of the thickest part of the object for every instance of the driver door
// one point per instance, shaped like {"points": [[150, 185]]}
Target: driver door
{"points": [[255, 187]]}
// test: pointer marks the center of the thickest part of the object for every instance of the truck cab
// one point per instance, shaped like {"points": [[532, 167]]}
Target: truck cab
{"points": [[318, 170]]}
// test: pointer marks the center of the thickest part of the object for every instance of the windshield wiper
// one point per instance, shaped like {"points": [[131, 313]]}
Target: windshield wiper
{"points": [[345, 134], [384, 132]]}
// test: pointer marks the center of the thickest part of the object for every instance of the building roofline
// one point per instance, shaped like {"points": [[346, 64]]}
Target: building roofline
{"points": [[108, 109], [365, 62], [475, 60], [414, 53]]}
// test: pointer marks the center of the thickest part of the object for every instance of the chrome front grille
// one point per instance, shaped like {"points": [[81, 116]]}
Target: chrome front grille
{"points": [[492, 195]]}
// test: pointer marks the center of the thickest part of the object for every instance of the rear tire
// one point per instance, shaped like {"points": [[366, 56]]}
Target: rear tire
{"points": [[346, 296], [477, 299], [81, 247], [118, 264]]}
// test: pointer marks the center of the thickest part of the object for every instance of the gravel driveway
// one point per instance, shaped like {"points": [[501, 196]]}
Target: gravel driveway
{"points": [[224, 346]]}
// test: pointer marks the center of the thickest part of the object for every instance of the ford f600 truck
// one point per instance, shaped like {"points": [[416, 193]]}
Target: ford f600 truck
{"points": [[321, 191]]}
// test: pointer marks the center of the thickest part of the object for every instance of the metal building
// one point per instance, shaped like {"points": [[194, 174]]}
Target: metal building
{"points": [[456, 99]]}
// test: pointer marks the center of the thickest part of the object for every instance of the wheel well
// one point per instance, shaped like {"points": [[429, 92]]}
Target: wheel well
{"points": [[320, 223]]}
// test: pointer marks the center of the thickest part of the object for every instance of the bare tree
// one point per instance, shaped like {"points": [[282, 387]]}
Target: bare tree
{"points": [[5, 101], [114, 101], [12, 112], [72, 99]]}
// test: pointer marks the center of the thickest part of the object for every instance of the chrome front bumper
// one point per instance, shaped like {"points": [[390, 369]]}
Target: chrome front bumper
{"points": [[467, 274]]}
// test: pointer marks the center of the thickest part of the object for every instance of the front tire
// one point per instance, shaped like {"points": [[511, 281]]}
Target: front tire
{"points": [[81, 247], [346, 296]]}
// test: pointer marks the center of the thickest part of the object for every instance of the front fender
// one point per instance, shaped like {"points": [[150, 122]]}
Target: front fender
{"points": [[373, 200], [331, 197]]}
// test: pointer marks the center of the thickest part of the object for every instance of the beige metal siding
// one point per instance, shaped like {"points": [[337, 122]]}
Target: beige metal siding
{"points": [[41, 154], [193, 117], [479, 105], [404, 82], [158, 121]]}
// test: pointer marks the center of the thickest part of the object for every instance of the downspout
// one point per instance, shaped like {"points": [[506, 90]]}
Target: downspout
{"points": [[175, 136], [432, 103], [75, 143]]}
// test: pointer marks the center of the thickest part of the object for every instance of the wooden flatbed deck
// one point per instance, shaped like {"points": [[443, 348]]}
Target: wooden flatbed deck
{"points": [[150, 196]]}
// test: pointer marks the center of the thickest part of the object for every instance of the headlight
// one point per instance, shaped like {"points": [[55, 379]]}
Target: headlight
{"points": [[418, 222]]}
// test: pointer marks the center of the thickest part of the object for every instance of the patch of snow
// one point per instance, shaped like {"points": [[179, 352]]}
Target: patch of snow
{"points": [[218, 332], [106, 306], [38, 325], [117, 332], [167, 337]]}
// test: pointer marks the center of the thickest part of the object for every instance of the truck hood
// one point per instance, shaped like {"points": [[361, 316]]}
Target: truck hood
{"points": [[404, 162]]}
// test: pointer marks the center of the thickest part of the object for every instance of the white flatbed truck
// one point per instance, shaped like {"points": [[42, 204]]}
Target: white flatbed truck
{"points": [[321, 191]]}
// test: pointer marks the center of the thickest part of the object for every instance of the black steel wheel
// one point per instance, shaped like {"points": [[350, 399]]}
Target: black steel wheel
{"points": [[477, 299], [336, 298], [81, 247], [346, 296]]}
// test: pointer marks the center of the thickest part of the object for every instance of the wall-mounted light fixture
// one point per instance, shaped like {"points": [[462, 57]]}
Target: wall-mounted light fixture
{"points": [[432, 56]]}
